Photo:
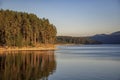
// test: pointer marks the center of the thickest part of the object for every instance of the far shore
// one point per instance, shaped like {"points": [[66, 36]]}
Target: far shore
{"points": [[29, 48]]}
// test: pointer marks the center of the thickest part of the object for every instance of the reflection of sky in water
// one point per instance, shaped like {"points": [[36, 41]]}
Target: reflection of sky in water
{"points": [[88, 62], [93, 51]]}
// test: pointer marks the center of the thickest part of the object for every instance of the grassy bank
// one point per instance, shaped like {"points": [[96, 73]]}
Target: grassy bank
{"points": [[28, 48]]}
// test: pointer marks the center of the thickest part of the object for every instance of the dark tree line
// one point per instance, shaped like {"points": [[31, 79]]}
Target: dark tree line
{"points": [[75, 40], [23, 29]]}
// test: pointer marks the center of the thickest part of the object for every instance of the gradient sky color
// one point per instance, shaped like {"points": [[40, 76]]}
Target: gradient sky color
{"points": [[73, 17]]}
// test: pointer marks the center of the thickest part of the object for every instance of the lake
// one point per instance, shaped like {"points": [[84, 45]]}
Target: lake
{"points": [[70, 62]]}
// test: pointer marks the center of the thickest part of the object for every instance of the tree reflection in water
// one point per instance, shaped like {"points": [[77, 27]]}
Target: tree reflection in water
{"points": [[27, 65]]}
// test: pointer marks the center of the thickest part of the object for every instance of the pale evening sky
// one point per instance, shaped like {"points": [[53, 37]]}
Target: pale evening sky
{"points": [[73, 17]]}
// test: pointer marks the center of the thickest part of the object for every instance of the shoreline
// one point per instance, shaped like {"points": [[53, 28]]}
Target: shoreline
{"points": [[36, 48], [29, 48]]}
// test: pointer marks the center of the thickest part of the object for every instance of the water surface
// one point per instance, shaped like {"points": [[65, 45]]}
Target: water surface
{"points": [[75, 62], [27, 65], [87, 62]]}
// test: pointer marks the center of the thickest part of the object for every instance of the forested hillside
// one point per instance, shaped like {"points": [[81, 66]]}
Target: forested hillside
{"points": [[75, 40], [23, 29]]}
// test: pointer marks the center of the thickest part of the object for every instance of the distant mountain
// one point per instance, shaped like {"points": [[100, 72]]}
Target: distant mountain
{"points": [[116, 33], [113, 38]]}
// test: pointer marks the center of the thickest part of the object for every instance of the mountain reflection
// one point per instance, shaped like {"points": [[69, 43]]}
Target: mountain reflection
{"points": [[27, 65]]}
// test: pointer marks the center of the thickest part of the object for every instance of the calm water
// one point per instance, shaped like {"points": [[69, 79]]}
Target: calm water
{"points": [[77, 62], [87, 62]]}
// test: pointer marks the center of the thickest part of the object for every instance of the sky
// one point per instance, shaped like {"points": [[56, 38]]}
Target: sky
{"points": [[73, 17]]}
